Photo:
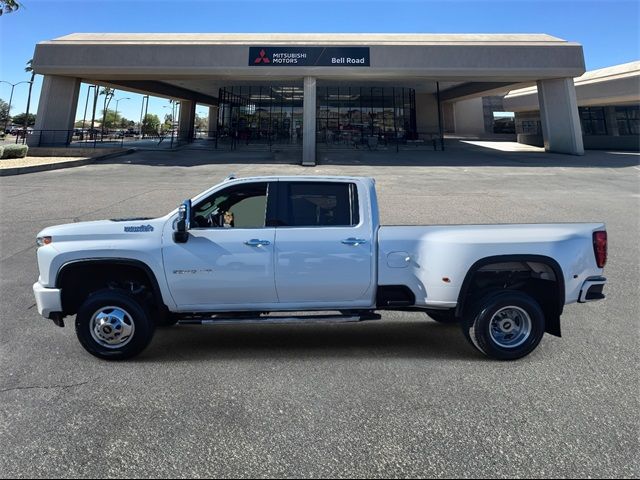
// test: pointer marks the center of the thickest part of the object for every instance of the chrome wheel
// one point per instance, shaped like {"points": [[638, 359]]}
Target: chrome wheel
{"points": [[510, 327], [112, 327]]}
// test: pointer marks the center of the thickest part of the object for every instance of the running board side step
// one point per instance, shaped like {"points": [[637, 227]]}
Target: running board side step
{"points": [[280, 320]]}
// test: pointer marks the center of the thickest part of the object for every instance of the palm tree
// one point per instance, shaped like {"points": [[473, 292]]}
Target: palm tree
{"points": [[29, 69], [108, 95]]}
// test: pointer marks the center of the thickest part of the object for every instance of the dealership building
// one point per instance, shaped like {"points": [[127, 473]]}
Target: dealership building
{"points": [[608, 107], [312, 88]]}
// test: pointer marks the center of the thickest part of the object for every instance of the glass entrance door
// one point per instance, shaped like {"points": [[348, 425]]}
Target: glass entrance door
{"points": [[261, 114]]}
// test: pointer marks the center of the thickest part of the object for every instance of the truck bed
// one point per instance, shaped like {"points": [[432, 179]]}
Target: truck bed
{"points": [[441, 256]]}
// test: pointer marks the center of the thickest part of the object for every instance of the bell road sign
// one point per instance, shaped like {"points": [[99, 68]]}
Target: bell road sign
{"points": [[309, 56]]}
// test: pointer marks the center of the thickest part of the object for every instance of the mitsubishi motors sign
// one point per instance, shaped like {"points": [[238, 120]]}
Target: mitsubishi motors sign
{"points": [[309, 56]]}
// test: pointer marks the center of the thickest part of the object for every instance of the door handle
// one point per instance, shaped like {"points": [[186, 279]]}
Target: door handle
{"points": [[254, 242], [354, 241]]}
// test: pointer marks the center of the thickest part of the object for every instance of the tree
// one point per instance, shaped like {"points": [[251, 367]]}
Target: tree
{"points": [[4, 112], [29, 69], [21, 119], [110, 119], [108, 95], [150, 124], [202, 123], [168, 122], [8, 6]]}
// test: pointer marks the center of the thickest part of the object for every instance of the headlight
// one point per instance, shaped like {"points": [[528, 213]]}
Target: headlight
{"points": [[42, 241]]}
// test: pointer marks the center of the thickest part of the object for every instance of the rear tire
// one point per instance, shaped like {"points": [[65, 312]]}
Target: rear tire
{"points": [[113, 325], [506, 326]]}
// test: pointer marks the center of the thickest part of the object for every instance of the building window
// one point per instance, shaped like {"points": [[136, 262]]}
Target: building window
{"points": [[348, 115], [592, 120], [344, 114], [628, 119], [529, 127]]}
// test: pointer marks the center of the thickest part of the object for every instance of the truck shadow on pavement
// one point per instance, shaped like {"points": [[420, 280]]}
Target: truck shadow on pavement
{"points": [[384, 339]]}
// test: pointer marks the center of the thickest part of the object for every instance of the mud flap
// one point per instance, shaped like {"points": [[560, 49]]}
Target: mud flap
{"points": [[552, 326]]}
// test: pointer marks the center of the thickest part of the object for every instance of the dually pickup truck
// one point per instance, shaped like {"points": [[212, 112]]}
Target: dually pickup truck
{"points": [[251, 247]]}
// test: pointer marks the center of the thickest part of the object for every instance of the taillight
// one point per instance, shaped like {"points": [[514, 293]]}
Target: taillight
{"points": [[600, 248]]}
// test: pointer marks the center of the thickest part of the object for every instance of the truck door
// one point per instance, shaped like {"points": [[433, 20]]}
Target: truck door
{"points": [[324, 250], [228, 260]]}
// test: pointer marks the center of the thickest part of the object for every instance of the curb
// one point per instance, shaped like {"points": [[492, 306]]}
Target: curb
{"points": [[5, 172]]}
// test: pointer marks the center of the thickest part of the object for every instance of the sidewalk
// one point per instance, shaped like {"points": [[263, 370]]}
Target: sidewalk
{"points": [[18, 166]]}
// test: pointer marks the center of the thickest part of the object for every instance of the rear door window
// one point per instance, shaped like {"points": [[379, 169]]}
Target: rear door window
{"points": [[318, 204]]}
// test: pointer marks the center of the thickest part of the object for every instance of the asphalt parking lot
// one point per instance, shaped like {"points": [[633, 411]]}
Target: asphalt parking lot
{"points": [[399, 397]]}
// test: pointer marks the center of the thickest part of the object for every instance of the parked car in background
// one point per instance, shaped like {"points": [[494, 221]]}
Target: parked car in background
{"points": [[20, 133]]}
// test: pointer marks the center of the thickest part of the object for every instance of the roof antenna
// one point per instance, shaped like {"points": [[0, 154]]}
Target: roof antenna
{"points": [[230, 177]]}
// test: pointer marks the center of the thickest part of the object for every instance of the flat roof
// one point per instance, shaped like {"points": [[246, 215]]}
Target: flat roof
{"points": [[311, 39], [601, 75], [192, 65]]}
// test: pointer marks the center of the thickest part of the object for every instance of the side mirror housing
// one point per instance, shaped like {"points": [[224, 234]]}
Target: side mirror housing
{"points": [[181, 233]]}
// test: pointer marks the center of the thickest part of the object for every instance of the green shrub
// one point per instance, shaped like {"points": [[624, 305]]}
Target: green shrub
{"points": [[14, 151], [1, 150]]}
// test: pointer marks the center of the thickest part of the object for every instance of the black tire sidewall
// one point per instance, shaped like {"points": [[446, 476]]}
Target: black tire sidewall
{"points": [[479, 328], [144, 326]]}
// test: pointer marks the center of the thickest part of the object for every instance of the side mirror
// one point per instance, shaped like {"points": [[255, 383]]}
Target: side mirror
{"points": [[181, 233]]}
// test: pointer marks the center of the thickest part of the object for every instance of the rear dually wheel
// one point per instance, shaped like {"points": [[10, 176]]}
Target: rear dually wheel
{"points": [[506, 325]]}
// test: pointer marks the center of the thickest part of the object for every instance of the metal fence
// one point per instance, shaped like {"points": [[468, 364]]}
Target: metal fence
{"points": [[96, 139], [228, 141], [346, 140]]}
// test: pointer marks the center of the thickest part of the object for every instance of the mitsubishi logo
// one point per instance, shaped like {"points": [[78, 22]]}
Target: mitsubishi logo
{"points": [[262, 58]]}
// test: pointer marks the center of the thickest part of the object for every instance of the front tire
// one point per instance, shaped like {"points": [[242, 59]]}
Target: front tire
{"points": [[113, 325], [506, 326]]}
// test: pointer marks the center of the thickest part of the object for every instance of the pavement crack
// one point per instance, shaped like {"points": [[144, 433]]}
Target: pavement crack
{"points": [[46, 387], [31, 247]]}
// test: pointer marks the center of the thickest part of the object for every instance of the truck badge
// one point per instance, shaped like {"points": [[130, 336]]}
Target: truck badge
{"points": [[139, 229]]}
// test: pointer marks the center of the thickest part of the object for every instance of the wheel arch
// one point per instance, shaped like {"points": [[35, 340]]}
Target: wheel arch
{"points": [[74, 266], [552, 320]]}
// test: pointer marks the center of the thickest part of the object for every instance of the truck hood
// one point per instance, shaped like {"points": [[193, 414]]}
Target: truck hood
{"points": [[105, 229]]}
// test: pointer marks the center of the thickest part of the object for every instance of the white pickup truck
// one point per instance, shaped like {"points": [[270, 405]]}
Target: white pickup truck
{"points": [[251, 247]]}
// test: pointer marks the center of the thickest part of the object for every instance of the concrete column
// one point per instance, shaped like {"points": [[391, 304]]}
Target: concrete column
{"points": [[469, 117], [427, 113], [56, 111], [187, 120], [449, 117], [213, 121], [309, 122], [559, 116]]}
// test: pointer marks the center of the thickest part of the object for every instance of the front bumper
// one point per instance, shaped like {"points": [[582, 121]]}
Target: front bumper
{"points": [[591, 290], [48, 300]]}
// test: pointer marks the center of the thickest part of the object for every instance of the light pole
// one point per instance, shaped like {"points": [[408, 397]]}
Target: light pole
{"points": [[145, 99], [116, 118], [124, 98], [13, 85], [176, 106]]}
